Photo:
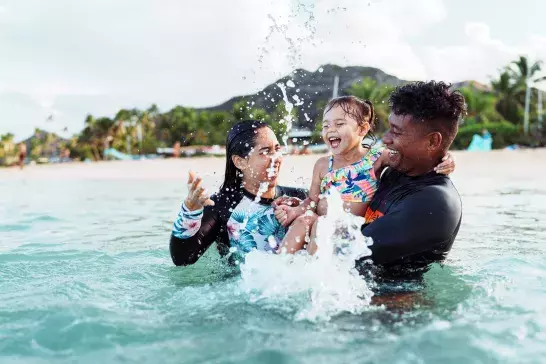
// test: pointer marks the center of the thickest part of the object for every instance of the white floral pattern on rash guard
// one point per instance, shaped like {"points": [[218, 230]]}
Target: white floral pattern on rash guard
{"points": [[254, 226], [251, 226], [187, 223]]}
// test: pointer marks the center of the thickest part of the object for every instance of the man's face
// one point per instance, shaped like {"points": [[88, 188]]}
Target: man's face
{"points": [[407, 144]]}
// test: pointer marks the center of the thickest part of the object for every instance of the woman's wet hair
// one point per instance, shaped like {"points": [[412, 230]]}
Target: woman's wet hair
{"points": [[240, 140], [360, 110]]}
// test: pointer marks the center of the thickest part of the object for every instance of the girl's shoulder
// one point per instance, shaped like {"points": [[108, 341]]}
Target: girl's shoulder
{"points": [[374, 153], [322, 165]]}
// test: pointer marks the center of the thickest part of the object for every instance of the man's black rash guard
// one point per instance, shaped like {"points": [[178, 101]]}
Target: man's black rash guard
{"points": [[214, 224], [413, 221]]}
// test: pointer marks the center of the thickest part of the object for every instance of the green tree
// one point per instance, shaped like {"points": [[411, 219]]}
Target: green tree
{"points": [[507, 91], [480, 105], [7, 146]]}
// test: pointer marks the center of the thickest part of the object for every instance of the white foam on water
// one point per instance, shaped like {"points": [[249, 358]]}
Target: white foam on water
{"points": [[319, 286]]}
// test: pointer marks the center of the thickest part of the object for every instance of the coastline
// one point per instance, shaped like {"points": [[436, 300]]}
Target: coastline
{"points": [[487, 164]]}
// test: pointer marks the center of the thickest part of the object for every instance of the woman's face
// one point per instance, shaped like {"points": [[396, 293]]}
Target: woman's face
{"points": [[264, 161]]}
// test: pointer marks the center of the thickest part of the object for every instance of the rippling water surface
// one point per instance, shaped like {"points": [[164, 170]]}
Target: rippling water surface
{"points": [[86, 277]]}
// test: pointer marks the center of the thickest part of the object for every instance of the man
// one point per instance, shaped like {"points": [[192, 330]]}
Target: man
{"points": [[416, 213]]}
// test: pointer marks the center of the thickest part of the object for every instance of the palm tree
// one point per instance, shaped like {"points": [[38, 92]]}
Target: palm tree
{"points": [[7, 146], [480, 105], [507, 91], [525, 75], [95, 133], [521, 70]]}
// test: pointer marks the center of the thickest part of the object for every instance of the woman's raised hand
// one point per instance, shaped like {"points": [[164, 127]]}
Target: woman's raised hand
{"points": [[197, 195]]}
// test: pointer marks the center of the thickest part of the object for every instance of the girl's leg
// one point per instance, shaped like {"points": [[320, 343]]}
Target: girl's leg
{"points": [[298, 233], [312, 246]]}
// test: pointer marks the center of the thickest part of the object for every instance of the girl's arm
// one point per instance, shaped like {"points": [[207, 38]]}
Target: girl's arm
{"points": [[287, 214]]}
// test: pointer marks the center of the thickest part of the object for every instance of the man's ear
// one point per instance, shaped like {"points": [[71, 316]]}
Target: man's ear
{"points": [[435, 141], [240, 163]]}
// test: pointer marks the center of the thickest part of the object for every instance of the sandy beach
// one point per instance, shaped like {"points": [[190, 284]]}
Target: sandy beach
{"points": [[498, 163]]}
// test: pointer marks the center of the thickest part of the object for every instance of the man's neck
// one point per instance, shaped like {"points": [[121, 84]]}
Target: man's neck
{"points": [[425, 168]]}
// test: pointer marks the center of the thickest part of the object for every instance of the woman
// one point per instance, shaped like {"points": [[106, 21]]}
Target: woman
{"points": [[230, 217]]}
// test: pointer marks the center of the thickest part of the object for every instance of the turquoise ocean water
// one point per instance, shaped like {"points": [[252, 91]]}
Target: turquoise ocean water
{"points": [[86, 277]]}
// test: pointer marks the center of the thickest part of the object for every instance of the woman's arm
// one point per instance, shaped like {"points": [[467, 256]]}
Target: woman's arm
{"points": [[196, 226], [193, 233]]}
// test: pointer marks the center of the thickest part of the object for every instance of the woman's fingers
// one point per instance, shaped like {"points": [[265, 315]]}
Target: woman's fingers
{"points": [[191, 177], [196, 183], [199, 191]]}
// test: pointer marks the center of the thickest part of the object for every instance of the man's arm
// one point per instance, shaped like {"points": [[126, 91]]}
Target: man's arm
{"points": [[424, 221]]}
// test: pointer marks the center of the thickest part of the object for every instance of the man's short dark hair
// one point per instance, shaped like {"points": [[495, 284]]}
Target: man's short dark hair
{"points": [[433, 104]]}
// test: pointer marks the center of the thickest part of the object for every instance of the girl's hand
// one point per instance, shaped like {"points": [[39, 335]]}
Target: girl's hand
{"points": [[286, 214], [285, 200], [447, 166], [197, 195]]}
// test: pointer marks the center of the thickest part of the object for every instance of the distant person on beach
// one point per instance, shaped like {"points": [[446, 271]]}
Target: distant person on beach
{"points": [[305, 150], [22, 154], [416, 213], [177, 150]]}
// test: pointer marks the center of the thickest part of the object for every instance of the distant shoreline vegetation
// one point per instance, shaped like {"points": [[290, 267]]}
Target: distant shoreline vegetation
{"points": [[497, 107]]}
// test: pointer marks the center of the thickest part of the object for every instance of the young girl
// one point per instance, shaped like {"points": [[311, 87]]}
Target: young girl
{"points": [[349, 169]]}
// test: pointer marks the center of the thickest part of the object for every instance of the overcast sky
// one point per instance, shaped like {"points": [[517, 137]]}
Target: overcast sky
{"points": [[67, 58]]}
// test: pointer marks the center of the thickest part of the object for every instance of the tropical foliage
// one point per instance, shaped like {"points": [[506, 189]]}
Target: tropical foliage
{"points": [[498, 107]]}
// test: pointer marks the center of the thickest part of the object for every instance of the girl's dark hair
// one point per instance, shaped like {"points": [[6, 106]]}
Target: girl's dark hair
{"points": [[240, 140], [360, 110]]}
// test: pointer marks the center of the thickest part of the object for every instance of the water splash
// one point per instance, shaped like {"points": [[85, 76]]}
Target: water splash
{"points": [[288, 118], [315, 287], [261, 190], [271, 169]]}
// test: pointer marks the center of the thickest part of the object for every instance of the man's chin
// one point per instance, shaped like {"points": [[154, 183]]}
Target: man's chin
{"points": [[394, 163]]}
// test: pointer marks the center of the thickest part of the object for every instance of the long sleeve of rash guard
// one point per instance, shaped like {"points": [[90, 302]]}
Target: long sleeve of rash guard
{"points": [[424, 223], [193, 233]]}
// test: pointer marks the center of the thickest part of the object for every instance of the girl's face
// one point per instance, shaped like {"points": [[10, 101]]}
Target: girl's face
{"points": [[341, 132], [264, 161]]}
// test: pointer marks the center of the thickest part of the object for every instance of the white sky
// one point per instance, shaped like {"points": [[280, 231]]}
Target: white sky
{"points": [[72, 57]]}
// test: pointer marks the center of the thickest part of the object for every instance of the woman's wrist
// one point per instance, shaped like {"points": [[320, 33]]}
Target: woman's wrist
{"points": [[191, 206]]}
